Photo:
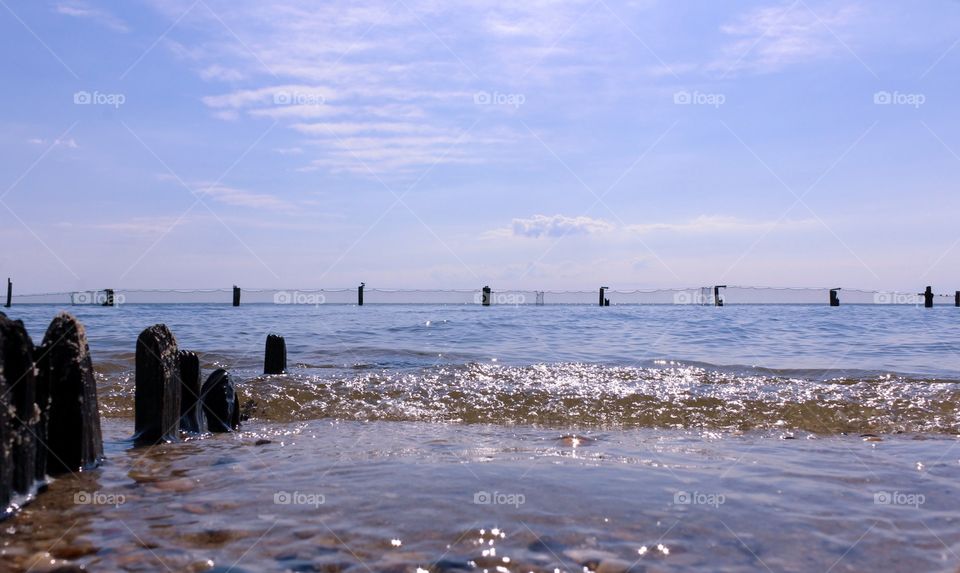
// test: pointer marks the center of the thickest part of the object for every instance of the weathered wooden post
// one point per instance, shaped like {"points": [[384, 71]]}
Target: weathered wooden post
{"points": [[834, 297], [486, 296], [108, 297], [275, 355], [18, 402], [221, 405], [236, 295], [157, 396], [67, 400], [717, 301], [928, 297], [9, 293], [191, 410], [602, 298], [360, 294], [956, 299]]}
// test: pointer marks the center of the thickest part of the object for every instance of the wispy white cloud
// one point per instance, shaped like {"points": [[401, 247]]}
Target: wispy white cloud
{"points": [[539, 226], [712, 224], [68, 142], [241, 198], [80, 9], [557, 226], [770, 38]]}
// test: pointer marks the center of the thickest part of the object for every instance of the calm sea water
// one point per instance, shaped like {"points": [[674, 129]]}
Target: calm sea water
{"points": [[449, 438]]}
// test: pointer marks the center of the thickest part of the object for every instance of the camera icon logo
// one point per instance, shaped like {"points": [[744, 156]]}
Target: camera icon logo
{"points": [[282, 297], [482, 98], [682, 97], [682, 498], [882, 498], [82, 98], [482, 498], [282, 98], [282, 498], [82, 498], [882, 98]]}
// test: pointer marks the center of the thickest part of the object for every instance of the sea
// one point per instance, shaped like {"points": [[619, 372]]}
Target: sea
{"points": [[554, 438]]}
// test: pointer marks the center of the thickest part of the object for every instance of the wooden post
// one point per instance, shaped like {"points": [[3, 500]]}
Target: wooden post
{"points": [[108, 297], [717, 301], [236, 295], [191, 410], [602, 298], [928, 297], [18, 450], [9, 293], [360, 294], [834, 298], [956, 299], [157, 394], [221, 405], [486, 296], [275, 355], [67, 399]]}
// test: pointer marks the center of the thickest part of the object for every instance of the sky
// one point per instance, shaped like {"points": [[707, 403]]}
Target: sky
{"points": [[441, 144]]}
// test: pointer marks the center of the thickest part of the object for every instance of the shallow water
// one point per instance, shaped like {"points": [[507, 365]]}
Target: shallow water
{"points": [[654, 438]]}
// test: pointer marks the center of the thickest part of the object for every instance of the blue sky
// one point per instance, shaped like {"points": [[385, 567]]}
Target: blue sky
{"points": [[549, 145]]}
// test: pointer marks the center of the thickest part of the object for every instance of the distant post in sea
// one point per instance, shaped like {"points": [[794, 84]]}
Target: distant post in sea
{"points": [[956, 299], [928, 297], [108, 297], [604, 301], [486, 296], [834, 297], [236, 295], [717, 301], [9, 293], [360, 294]]}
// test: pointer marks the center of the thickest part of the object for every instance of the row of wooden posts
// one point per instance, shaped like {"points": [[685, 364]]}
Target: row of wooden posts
{"points": [[487, 296], [49, 412]]}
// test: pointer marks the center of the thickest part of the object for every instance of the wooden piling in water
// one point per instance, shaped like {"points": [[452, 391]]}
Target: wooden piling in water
{"points": [[486, 296], [275, 355], [236, 295], [834, 297], [602, 297], [928, 297], [157, 396], [9, 293], [191, 384], [221, 404], [717, 301], [108, 298], [956, 299], [67, 399], [360, 294], [18, 441]]}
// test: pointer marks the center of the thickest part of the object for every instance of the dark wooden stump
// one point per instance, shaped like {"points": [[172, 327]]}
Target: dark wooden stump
{"points": [[834, 297], [275, 355], [157, 399], [18, 440], [191, 410], [221, 404], [928, 297], [67, 398]]}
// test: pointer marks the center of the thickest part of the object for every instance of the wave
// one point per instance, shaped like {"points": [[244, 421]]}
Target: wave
{"points": [[577, 395]]}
